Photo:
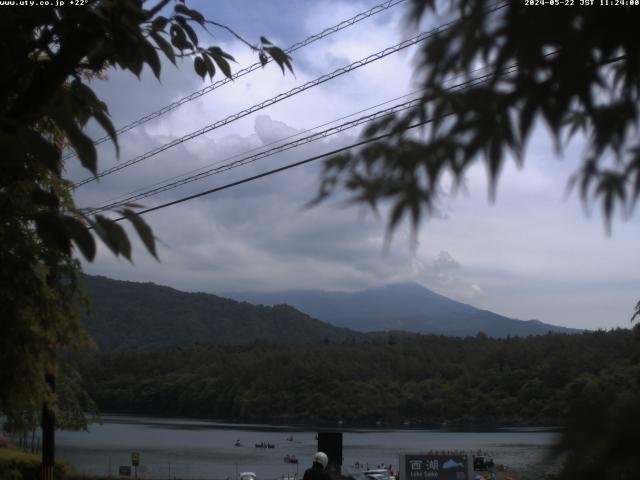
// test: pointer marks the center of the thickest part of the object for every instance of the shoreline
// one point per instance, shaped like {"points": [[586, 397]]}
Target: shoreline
{"points": [[284, 425]]}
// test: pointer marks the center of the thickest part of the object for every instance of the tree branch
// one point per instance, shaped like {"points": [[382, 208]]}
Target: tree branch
{"points": [[219, 25]]}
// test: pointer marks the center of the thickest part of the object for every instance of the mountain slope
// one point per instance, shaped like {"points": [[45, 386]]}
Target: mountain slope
{"points": [[129, 315], [408, 307]]}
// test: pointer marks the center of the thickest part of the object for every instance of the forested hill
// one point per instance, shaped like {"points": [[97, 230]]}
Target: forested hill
{"points": [[425, 380], [129, 315], [409, 307]]}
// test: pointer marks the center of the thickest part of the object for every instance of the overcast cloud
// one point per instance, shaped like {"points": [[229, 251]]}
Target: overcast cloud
{"points": [[532, 254]]}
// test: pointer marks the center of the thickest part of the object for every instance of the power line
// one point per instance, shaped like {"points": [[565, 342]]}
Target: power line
{"points": [[291, 165], [246, 152], [273, 100], [295, 164], [217, 168], [276, 170], [240, 73], [322, 79], [268, 153]]}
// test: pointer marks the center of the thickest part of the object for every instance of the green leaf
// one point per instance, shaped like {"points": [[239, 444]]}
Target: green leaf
{"points": [[187, 28], [166, 48], [218, 57], [113, 235], [42, 197], [191, 33], [85, 149], [144, 231], [132, 59], [152, 57], [280, 57], [633, 170], [79, 232], [200, 67], [194, 14], [64, 116], [105, 122], [226, 55], [178, 38], [197, 16], [50, 229], [42, 150], [181, 9], [211, 69], [159, 23], [396, 214]]}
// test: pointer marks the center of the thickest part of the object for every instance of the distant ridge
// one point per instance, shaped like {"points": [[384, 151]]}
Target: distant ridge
{"points": [[406, 306], [130, 315]]}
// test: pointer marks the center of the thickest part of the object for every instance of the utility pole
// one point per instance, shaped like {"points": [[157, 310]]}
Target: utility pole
{"points": [[49, 426]]}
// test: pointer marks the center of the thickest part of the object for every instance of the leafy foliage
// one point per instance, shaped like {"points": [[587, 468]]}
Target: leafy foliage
{"points": [[424, 379], [49, 58], [601, 442], [602, 437], [576, 70], [17, 465]]}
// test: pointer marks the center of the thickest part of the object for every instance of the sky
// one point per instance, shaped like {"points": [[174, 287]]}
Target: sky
{"points": [[534, 253]]}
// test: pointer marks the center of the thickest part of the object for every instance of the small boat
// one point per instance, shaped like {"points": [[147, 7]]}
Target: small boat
{"points": [[238, 444], [265, 445], [290, 459], [290, 438]]}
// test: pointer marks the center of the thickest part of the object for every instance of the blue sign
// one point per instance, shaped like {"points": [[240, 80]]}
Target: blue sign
{"points": [[435, 467]]}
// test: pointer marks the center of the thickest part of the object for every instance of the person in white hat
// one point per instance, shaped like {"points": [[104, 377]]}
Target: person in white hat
{"points": [[318, 470]]}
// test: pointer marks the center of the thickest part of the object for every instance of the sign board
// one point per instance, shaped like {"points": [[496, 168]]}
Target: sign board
{"points": [[124, 471], [135, 458], [436, 467]]}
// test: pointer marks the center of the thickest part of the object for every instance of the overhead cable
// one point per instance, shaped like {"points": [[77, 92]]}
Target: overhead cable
{"points": [[118, 199], [244, 157], [267, 153], [289, 166], [219, 168], [240, 73], [273, 100], [278, 170]]}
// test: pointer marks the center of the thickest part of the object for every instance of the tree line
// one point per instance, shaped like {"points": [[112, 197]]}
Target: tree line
{"points": [[394, 379]]}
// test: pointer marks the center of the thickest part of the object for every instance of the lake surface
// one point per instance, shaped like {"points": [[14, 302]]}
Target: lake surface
{"points": [[200, 449]]}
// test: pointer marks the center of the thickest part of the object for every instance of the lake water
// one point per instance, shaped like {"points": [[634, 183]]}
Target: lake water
{"points": [[200, 449]]}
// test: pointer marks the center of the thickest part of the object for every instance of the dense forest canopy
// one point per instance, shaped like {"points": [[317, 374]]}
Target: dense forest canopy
{"points": [[422, 379]]}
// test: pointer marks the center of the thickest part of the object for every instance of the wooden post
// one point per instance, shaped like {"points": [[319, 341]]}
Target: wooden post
{"points": [[48, 430]]}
